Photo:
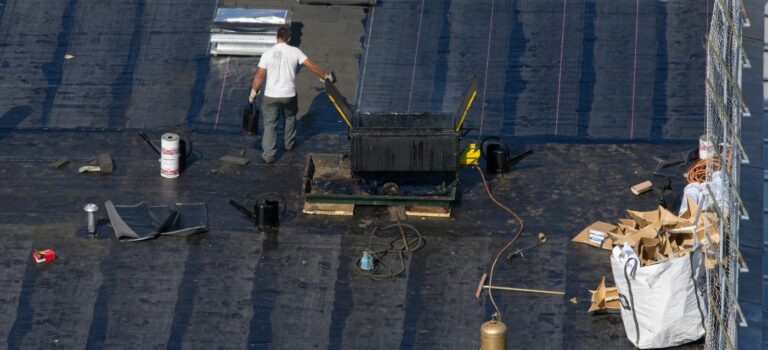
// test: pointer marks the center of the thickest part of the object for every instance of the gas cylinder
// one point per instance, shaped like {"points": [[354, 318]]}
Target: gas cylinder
{"points": [[493, 335]]}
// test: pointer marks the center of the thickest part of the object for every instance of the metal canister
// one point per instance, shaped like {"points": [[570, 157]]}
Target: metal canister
{"points": [[493, 335]]}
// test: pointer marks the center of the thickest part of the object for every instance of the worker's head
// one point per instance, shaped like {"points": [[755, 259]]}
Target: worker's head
{"points": [[283, 35]]}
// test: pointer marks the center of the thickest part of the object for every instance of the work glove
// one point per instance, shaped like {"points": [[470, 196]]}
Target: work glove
{"points": [[252, 96], [330, 77]]}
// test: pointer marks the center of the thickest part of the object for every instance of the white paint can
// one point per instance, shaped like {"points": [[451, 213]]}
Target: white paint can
{"points": [[169, 155], [705, 147]]}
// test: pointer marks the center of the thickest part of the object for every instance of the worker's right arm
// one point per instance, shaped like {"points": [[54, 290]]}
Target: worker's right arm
{"points": [[258, 79]]}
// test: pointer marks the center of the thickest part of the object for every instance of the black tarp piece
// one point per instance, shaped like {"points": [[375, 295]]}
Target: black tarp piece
{"points": [[548, 67], [141, 222]]}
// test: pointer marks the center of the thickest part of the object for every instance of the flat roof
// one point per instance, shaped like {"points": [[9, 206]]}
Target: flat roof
{"points": [[79, 78]]}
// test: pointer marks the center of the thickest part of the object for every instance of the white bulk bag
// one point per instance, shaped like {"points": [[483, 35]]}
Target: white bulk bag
{"points": [[663, 304]]}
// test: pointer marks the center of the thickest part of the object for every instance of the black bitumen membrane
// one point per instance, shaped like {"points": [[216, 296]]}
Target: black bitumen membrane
{"points": [[143, 65]]}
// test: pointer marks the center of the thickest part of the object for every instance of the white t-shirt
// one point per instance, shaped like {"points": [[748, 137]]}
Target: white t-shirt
{"points": [[281, 62]]}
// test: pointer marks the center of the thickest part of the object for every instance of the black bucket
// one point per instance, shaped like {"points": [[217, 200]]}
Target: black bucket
{"points": [[497, 160], [251, 119], [267, 214], [496, 153]]}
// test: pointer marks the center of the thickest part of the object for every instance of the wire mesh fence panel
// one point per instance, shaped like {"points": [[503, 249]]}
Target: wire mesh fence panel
{"points": [[725, 108]]}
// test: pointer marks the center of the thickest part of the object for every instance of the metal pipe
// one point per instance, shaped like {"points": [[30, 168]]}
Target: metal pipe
{"points": [[540, 291], [90, 209]]}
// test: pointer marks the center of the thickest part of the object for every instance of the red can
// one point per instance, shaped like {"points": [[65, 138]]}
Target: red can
{"points": [[43, 256]]}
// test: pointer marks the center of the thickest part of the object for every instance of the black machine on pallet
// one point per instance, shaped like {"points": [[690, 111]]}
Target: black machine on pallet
{"points": [[405, 147], [404, 159]]}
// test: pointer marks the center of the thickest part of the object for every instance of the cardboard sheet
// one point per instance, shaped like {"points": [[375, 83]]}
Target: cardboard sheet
{"points": [[590, 234], [604, 299]]}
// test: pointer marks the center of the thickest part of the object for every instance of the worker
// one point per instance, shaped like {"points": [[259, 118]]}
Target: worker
{"points": [[279, 64]]}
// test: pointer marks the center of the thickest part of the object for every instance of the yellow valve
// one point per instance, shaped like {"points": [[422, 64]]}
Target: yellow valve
{"points": [[470, 156]]}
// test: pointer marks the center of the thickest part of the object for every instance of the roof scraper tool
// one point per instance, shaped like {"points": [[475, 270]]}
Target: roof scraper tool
{"points": [[248, 214], [519, 252], [149, 142], [466, 104], [482, 285], [339, 102]]}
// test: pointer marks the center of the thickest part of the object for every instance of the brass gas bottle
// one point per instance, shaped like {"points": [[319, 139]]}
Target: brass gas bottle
{"points": [[493, 335]]}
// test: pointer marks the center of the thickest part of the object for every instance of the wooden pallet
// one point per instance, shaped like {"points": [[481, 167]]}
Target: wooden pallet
{"points": [[328, 209], [428, 211], [349, 210]]}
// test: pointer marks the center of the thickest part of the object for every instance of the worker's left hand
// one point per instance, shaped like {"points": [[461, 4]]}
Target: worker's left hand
{"points": [[253, 95], [330, 77]]}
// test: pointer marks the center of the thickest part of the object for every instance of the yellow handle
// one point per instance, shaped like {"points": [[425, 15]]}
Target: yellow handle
{"points": [[343, 116], [464, 115]]}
